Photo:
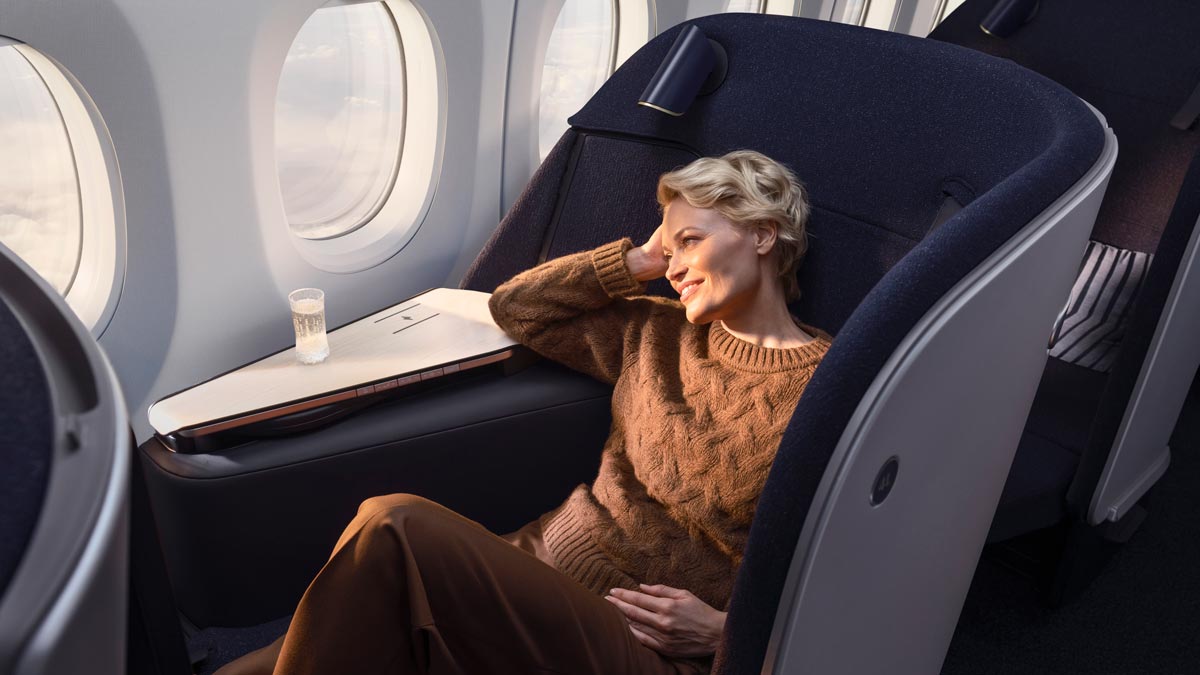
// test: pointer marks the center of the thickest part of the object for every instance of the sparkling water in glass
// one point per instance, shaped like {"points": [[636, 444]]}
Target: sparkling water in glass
{"points": [[308, 318]]}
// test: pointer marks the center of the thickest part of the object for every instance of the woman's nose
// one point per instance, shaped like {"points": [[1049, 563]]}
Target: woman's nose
{"points": [[675, 268]]}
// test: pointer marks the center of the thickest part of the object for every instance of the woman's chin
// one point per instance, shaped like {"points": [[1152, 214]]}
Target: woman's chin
{"points": [[697, 316]]}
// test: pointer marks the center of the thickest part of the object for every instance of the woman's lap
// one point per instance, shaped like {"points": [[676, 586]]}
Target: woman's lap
{"points": [[471, 602]]}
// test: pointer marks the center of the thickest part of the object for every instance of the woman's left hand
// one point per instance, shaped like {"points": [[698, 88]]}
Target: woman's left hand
{"points": [[670, 621]]}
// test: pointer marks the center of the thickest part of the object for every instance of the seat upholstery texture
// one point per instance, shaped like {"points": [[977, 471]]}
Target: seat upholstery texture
{"points": [[26, 450], [881, 127], [1137, 63]]}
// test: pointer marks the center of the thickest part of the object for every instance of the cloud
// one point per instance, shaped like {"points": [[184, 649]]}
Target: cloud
{"points": [[331, 124], [576, 65], [331, 167], [362, 102], [39, 192], [49, 246], [303, 52]]}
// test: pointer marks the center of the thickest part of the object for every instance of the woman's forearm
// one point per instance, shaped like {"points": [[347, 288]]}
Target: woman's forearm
{"points": [[564, 309], [646, 262]]}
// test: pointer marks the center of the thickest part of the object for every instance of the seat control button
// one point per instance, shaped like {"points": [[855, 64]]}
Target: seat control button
{"points": [[885, 480]]}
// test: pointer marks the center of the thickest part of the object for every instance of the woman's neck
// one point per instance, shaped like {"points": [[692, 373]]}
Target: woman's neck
{"points": [[766, 322]]}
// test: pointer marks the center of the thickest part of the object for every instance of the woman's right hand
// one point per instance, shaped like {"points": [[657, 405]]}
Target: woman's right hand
{"points": [[647, 262]]}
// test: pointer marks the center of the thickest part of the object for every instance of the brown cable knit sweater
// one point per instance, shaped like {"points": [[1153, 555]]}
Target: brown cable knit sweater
{"points": [[697, 417]]}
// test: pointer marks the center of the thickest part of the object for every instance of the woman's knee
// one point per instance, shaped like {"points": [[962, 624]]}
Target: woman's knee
{"points": [[385, 513], [396, 512], [400, 503], [421, 526]]}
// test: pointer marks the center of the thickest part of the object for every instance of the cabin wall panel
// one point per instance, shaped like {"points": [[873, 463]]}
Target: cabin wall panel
{"points": [[532, 26], [485, 159], [188, 92]]}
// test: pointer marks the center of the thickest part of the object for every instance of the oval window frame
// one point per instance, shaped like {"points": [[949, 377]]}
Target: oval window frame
{"points": [[383, 181], [407, 203], [609, 48], [100, 272], [634, 24]]}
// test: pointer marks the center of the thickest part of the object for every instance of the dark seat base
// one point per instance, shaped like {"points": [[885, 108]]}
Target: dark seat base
{"points": [[222, 645], [1034, 496]]}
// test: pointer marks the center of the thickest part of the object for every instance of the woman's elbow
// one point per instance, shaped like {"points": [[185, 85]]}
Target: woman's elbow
{"points": [[500, 307]]}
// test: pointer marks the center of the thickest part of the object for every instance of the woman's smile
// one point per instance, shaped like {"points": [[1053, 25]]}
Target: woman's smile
{"points": [[687, 289]]}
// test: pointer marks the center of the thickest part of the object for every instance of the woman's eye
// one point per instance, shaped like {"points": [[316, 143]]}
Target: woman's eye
{"points": [[687, 241]]}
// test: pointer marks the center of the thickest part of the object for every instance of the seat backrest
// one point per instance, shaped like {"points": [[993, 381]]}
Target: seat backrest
{"points": [[884, 129], [26, 427], [878, 166], [64, 488], [1138, 64]]}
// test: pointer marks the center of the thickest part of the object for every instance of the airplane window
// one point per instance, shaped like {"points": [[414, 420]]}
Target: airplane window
{"points": [[40, 206], [754, 6], [60, 195], [870, 13], [340, 119], [781, 7], [944, 9], [880, 14], [578, 60]]}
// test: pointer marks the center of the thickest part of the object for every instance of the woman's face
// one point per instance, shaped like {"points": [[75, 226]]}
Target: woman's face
{"points": [[716, 267]]}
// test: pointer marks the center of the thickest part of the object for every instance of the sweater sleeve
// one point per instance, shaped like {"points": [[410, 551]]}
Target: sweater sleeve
{"points": [[577, 309]]}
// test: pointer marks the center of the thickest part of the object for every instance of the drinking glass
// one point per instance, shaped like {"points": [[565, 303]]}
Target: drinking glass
{"points": [[308, 318]]}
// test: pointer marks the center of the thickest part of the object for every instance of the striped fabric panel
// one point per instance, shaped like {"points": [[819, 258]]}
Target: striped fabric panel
{"points": [[1088, 331]]}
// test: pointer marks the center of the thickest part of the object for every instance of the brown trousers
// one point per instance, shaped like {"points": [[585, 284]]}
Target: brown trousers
{"points": [[413, 587]]}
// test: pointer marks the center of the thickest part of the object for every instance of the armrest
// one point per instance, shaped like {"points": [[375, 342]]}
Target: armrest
{"points": [[244, 531]]}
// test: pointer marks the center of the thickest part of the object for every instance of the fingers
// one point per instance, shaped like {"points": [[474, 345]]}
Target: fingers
{"points": [[647, 262], [653, 603], [662, 591], [653, 243], [651, 631], [640, 615]]}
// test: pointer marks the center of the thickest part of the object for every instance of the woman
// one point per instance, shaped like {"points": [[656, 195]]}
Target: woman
{"points": [[630, 574]]}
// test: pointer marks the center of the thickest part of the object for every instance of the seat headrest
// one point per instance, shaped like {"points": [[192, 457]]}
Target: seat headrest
{"points": [[874, 123]]}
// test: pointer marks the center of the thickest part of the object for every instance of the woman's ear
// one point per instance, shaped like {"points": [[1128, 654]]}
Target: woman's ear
{"points": [[765, 233]]}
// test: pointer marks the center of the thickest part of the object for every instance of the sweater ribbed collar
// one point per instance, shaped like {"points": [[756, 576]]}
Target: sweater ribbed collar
{"points": [[747, 356]]}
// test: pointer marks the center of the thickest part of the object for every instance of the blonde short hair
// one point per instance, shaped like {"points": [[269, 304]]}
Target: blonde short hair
{"points": [[747, 187]]}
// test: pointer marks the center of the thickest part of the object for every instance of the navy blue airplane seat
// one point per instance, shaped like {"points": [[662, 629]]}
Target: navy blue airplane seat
{"points": [[27, 430], [939, 315], [63, 487], [1096, 439]]}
